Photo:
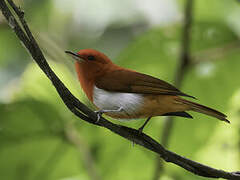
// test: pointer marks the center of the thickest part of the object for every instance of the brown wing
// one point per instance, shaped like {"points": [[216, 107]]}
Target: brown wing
{"points": [[134, 82]]}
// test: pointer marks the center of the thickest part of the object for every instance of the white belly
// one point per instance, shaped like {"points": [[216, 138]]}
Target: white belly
{"points": [[130, 102]]}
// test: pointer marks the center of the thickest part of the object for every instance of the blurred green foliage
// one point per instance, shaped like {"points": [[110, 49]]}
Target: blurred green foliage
{"points": [[34, 134]]}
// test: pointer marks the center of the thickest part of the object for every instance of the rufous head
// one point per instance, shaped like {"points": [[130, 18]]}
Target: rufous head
{"points": [[90, 63], [90, 56]]}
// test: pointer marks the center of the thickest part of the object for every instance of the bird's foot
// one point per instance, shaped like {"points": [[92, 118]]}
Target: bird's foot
{"points": [[102, 111], [99, 115], [140, 130]]}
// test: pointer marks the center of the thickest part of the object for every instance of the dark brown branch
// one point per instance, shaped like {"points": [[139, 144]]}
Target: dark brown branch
{"points": [[184, 62], [83, 112]]}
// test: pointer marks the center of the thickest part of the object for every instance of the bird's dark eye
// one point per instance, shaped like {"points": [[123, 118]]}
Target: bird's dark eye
{"points": [[91, 58]]}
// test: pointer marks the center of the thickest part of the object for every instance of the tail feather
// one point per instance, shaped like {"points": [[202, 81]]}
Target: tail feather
{"points": [[205, 110], [180, 114]]}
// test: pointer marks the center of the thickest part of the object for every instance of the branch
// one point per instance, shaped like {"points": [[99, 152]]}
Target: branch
{"points": [[184, 63], [83, 112]]}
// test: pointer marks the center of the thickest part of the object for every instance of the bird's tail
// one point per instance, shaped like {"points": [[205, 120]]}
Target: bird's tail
{"points": [[205, 110]]}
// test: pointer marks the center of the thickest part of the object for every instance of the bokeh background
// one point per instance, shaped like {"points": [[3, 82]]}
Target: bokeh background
{"points": [[41, 140]]}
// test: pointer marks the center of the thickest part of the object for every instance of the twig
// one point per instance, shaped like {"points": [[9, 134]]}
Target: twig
{"points": [[184, 62], [83, 112]]}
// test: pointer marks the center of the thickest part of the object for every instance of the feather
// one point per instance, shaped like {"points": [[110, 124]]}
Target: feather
{"points": [[180, 114], [123, 80]]}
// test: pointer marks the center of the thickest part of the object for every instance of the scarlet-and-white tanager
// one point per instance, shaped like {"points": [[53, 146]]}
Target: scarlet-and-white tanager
{"points": [[126, 94]]}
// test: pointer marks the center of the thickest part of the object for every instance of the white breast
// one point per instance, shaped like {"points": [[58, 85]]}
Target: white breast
{"points": [[107, 100]]}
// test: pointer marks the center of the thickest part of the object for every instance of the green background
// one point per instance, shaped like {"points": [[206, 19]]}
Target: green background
{"points": [[41, 139]]}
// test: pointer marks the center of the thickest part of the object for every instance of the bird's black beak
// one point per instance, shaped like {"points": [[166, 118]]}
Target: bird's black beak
{"points": [[74, 55]]}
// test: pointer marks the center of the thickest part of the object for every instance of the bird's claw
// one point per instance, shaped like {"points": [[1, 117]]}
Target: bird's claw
{"points": [[140, 130], [100, 112], [99, 115]]}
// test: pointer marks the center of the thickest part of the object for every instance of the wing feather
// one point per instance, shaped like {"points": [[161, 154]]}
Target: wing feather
{"points": [[133, 82]]}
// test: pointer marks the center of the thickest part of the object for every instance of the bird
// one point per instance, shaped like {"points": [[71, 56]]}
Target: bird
{"points": [[125, 94]]}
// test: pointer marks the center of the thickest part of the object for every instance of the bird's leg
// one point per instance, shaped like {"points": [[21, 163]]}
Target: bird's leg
{"points": [[100, 112], [145, 123]]}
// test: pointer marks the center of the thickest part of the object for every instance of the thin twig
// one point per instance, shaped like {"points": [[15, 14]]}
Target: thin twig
{"points": [[184, 62], [83, 112]]}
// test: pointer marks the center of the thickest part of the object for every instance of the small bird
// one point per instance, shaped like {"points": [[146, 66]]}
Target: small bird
{"points": [[126, 94]]}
